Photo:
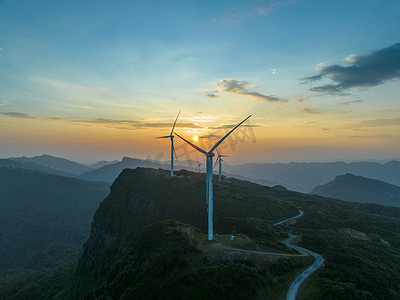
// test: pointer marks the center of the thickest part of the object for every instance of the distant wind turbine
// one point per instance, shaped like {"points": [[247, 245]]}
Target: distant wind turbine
{"points": [[171, 137], [220, 160], [198, 166], [209, 176]]}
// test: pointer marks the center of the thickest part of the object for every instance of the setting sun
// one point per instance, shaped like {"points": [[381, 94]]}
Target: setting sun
{"points": [[195, 138]]}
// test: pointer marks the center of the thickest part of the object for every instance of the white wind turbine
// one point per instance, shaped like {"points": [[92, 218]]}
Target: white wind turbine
{"points": [[220, 160], [171, 137], [198, 166], [209, 176]]}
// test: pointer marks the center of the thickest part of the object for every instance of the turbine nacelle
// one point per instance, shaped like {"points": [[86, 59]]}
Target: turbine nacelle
{"points": [[165, 137]]}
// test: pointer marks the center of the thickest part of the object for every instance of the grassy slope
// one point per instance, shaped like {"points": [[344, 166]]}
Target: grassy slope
{"points": [[166, 264], [141, 197]]}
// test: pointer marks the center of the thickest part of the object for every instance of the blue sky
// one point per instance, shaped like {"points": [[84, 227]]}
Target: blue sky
{"points": [[77, 76]]}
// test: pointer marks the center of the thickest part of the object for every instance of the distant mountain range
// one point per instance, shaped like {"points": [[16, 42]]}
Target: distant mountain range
{"points": [[110, 172], [28, 165], [55, 163], [301, 177], [102, 163], [354, 188]]}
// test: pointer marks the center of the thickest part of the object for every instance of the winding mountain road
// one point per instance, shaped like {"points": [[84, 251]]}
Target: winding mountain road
{"points": [[292, 218], [294, 287]]}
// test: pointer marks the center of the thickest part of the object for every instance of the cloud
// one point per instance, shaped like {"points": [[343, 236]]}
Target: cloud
{"points": [[375, 136], [210, 136], [311, 111], [240, 87], [375, 123], [230, 18], [83, 106], [13, 114], [233, 125], [252, 9], [350, 102], [364, 71], [306, 123], [133, 124], [211, 94], [266, 6]]}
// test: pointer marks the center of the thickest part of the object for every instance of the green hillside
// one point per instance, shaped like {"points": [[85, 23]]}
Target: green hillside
{"points": [[130, 254], [40, 211]]}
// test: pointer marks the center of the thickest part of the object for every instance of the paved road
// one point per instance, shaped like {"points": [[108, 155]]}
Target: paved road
{"points": [[295, 217], [294, 287]]}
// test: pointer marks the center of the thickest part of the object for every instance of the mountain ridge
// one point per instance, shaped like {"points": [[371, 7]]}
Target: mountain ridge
{"points": [[56, 163], [142, 197], [350, 187]]}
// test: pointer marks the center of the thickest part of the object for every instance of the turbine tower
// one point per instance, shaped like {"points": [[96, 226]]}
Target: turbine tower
{"points": [[209, 176], [171, 137], [220, 160]]}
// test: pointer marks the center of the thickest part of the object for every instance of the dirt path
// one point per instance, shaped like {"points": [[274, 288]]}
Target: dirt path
{"points": [[226, 247]]}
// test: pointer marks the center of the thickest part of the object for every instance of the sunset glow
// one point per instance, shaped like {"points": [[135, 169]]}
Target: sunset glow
{"points": [[103, 83]]}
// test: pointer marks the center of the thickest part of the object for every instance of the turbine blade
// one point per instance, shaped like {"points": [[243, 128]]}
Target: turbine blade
{"points": [[194, 146], [221, 140], [218, 153], [175, 122], [163, 137], [175, 154], [216, 162]]}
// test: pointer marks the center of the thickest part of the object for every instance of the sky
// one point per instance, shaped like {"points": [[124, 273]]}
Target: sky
{"points": [[99, 80]]}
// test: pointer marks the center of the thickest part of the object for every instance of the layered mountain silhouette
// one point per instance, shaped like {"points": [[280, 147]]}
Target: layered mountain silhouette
{"points": [[28, 165], [354, 188], [55, 163], [301, 177]]}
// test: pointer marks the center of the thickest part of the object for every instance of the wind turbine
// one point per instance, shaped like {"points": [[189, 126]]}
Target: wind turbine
{"points": [[220, 160], [209, 176], [171, 137], [198, 166]]}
